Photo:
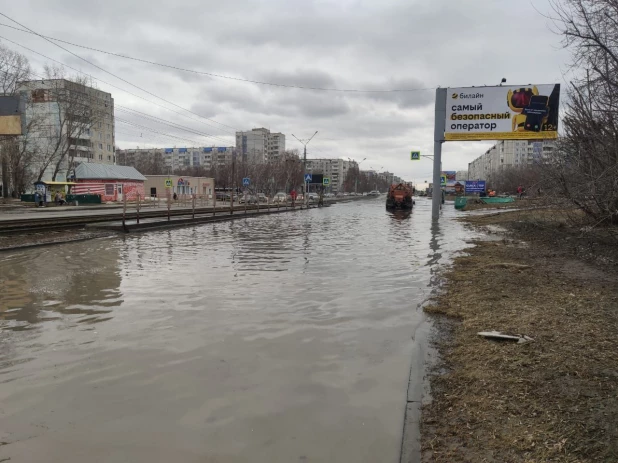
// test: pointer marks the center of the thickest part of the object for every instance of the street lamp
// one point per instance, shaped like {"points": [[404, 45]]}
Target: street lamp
{"points": [[306, 185]]}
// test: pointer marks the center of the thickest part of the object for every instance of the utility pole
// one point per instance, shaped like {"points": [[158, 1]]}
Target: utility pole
{"points": [[305, 184], [438, 137]]}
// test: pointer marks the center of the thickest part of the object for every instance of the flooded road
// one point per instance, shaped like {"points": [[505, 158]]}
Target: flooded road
{"points": [[284, 338]]}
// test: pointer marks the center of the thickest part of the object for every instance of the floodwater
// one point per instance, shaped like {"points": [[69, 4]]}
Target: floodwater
{"points": [[283, 338]]}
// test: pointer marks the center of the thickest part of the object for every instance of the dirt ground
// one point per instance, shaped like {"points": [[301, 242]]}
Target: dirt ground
{"points": [[554, 399]]}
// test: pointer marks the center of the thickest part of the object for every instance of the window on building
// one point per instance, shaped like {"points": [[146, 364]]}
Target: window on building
{"points": [[109, 157], [108, 136], [109, 189], [99, 125], [100, 146], [100, 136], [100, 157]]}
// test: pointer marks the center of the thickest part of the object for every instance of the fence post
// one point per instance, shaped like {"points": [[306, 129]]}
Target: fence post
{"points": [[169, 204], [138, 204], [193, 200], [124, 211]]}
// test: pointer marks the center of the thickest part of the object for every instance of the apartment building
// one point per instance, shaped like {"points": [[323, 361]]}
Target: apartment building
{"points": [[461, 175], [260, 145], [178, 158], [73, 124], [335, 169], [509, 153]]}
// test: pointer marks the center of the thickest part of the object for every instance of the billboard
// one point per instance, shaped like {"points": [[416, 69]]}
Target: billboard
{"points": [[317, 179], [475, 186], [502, 113], [10, 116], [451, 176]]}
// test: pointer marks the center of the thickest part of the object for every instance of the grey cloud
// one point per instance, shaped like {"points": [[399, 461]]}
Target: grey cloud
{"points": [[325, 43]]}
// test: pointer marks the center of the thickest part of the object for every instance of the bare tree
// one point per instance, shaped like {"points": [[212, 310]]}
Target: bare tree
{"points": [[14, 68], [510, 178], [584, 168]]}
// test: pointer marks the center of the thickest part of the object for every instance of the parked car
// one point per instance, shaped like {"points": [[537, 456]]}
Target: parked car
{"points": [[262, 198], [248, 199], [281, 198], [313, 196], [221, 196]]}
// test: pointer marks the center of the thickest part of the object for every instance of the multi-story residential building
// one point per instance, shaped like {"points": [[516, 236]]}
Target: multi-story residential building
{"points": [[335, 169], [461, 175], [387, 177], [74, 124], [260, 145], [509, 153], [178, 158]]}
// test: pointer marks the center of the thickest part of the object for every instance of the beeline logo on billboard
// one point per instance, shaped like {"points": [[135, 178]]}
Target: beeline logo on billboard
{"points": [[454, 96]]}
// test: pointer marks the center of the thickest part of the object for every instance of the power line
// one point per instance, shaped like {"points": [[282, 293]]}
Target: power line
{"points": [[177, 68], [111, 74], [195, 143], [112, 85], [171, 124], [168, 123]]}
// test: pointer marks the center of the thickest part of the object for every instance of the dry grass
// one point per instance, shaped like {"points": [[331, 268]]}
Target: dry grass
{"points": [[552, 400]]}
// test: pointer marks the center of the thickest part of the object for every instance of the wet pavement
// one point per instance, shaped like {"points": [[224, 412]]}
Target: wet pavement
{"points": [[283, 338]]}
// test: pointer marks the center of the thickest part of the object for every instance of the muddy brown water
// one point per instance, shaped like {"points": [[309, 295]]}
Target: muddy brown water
{"points": [[272, 339]]}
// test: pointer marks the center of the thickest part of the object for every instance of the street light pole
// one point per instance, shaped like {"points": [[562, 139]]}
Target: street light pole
{"points": [[305, 183]]}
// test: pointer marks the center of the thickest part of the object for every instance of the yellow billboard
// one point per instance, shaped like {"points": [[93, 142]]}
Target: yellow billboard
{"points": [[502, 113]]}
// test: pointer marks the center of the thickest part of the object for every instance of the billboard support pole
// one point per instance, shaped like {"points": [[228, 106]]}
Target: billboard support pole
{"points": [[438, 137]]}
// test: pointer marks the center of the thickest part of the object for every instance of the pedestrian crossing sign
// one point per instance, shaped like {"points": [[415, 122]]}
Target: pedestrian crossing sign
{"points": [[326, 181], [168, 183], [415, 155]]}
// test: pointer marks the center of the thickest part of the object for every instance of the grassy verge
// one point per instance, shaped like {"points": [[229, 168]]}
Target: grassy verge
{"points": [[554, 399]]}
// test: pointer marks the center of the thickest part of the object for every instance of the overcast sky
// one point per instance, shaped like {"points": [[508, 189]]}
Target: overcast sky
{"points": [[366, 45]]}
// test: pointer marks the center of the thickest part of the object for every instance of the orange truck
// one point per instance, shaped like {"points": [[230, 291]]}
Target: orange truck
{"points": [[400, 196]]}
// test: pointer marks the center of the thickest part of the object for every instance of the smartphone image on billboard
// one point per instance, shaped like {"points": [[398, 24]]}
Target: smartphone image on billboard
{"points": [[536, 113]]}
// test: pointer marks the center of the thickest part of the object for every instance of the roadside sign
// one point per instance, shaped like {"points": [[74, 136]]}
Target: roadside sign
{"points": [[168, 183], [475, 186], [415, 155], [442, 180], [502, 113], [308, 178], [11, 112], [246, 181], [326, 181]]}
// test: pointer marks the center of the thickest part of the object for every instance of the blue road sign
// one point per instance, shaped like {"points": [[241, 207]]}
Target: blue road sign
{"points": [[475, 186], [326, 181], [308, 178], [246, 181]]}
